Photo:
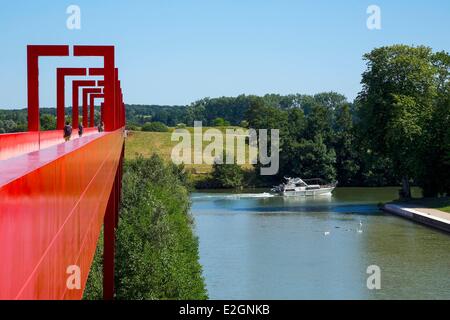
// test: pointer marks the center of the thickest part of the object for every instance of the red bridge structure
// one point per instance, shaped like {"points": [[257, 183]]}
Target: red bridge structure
{"points": [[56, 196]]}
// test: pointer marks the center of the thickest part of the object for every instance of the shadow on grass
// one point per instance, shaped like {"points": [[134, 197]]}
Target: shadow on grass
{"points": [[442, 203]]}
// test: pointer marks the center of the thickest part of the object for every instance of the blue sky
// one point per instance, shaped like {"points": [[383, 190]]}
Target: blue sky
{"points": [[178, 51]]}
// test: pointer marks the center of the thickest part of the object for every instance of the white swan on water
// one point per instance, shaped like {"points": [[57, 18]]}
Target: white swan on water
{"points": [[360, 227]]}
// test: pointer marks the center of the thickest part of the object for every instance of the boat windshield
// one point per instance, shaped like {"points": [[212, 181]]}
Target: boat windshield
{"points": [[296, 181]]}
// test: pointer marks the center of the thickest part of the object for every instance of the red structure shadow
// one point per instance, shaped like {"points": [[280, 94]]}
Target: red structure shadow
{"points": [[55, 196]]}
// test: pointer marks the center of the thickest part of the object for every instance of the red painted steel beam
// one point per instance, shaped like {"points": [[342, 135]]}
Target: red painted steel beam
{"points": [[119, 113], [86, 100], [76, 85], [109, 244], [102, 111], [121, 109], [92, 98], [96, 71], [33, 54], [52, 207], [117, 96], [107, 52], [108, 260], [61, 74]]}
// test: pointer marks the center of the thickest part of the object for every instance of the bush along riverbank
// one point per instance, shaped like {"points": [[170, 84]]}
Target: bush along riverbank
{"points": [[156, 250], [229, 177]]}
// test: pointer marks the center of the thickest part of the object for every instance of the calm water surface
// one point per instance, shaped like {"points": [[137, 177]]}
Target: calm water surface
{"points": [[253, 247]]}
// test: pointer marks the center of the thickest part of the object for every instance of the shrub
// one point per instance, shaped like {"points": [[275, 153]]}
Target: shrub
{"points": [[133, 127], [220, 122], [230, 176], [155, 127], [244, 124]]}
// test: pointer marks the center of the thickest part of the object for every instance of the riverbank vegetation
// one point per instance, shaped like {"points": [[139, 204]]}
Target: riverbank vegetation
{"points": [[404, 111], [156, 250], [155, 127]]}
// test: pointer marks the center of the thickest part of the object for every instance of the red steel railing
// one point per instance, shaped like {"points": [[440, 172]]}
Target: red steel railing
{"points": [[16, 144]]}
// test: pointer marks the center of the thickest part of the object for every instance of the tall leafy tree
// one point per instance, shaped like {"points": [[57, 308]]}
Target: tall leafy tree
{"points": [[397, 98], [311, 159], [434, 172]]}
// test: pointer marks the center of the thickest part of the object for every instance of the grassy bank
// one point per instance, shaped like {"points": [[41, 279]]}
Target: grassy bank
{"points": [[156, 250]]}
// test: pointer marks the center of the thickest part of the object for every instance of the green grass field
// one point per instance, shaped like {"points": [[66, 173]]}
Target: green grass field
{"points": [[147, 143]]}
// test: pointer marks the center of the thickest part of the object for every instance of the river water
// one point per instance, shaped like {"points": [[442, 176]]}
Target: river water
{"points": [[253, 246]]}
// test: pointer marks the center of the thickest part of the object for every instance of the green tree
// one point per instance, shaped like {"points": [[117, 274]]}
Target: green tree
{"points": [[434, 172], [396, 102], [310, 159], [220, 122], [345, 146], [155, 127], [48, 122], [261, 116], [229, 176]]}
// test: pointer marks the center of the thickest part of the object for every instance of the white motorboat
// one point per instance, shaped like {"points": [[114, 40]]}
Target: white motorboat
{"points": [[306, 187]]}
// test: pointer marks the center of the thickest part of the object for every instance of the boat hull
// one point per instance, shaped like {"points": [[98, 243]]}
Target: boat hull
{"points": [[308, 193]]}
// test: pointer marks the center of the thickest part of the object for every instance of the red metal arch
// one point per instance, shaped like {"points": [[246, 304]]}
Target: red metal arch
{"points": [[34, 52], [92, 98], [55, 196], [61, 74], [107, 52], [76, 85]]}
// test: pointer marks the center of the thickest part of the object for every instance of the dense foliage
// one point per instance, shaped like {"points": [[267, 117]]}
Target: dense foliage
{"points": [[221, 122], [13, 121], [404, 111], [228, 176], [156, 250], [317, 136], [155, 127]]}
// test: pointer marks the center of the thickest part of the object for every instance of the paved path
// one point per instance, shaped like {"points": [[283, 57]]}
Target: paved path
{"points": [[431, 217]]}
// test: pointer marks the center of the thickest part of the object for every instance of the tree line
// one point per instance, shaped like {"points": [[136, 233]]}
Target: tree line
{"points": [[16, 120], [396, 130]]}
